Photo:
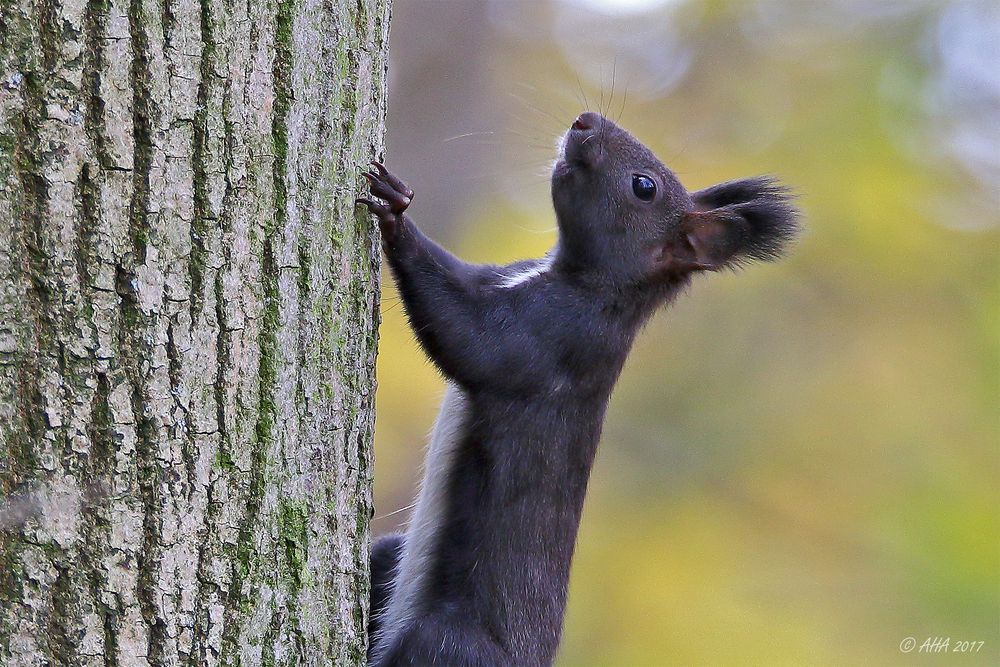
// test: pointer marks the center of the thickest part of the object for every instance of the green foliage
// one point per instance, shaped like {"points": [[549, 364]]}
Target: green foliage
{"points": [[799, 465]]}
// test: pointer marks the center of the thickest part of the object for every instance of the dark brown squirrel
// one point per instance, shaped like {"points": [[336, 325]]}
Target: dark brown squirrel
{"points": [[531, 352]]}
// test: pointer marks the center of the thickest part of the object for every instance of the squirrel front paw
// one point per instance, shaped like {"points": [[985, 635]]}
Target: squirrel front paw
{"points": [[393, 192]]}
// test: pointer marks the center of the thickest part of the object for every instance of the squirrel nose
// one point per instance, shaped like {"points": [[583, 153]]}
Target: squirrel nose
{"points": [[587, 120]]}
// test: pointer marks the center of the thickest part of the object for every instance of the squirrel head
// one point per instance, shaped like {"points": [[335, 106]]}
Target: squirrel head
{"points": [[623, 214]]}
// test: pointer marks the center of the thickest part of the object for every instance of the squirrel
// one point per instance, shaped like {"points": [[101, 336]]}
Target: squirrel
{"points": [[531, 352]]}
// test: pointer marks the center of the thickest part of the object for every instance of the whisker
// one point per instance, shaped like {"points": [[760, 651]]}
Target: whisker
{"points": [[537, 231], [586, 102], [401, 509], [621, 112], [535, 108], [531, 137], [614, 70], [600, 106], [467, 134], [549, 98], [514, 170], [581, 104]]}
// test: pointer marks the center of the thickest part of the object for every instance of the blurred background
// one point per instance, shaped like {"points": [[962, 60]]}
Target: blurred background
{"points": [[801, 462]]}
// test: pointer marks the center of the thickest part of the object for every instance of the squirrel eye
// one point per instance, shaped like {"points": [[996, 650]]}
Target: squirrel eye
{"points": [[643, 187]]}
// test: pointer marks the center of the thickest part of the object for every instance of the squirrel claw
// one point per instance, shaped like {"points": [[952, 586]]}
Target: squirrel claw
{"points": [[375, 207], [389, 188]]}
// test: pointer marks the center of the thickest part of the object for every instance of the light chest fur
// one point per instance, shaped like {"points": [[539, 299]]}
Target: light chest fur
{"points": [[406, 601]]}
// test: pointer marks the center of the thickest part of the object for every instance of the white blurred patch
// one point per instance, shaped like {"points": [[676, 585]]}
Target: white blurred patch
{"points": [[623, 6]]}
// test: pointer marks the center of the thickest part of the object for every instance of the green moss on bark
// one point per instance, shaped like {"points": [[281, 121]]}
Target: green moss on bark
{"points": [[293, 522]]}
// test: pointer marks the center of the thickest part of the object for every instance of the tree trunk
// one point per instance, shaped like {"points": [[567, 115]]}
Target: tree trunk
{"points": [[188, 314]]}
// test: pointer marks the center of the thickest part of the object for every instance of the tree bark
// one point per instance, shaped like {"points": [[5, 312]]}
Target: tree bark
{"points": [[188, 316]]}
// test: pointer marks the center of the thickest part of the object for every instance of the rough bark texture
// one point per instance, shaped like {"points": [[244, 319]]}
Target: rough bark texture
{"points": [[188, 313]]}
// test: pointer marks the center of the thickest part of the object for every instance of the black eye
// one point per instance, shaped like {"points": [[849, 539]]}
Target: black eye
{"points": [[643, 187]]}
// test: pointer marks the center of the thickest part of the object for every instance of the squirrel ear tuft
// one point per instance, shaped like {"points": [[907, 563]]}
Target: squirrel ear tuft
{"points": [[732, 223], [748, 219]]}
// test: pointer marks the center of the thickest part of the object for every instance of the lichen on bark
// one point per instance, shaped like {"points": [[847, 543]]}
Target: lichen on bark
{"points": [[188, 317]]}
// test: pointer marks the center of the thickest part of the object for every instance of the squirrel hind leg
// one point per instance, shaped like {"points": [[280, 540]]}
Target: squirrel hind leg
{"points": [[386, 552], [444, 639]]}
